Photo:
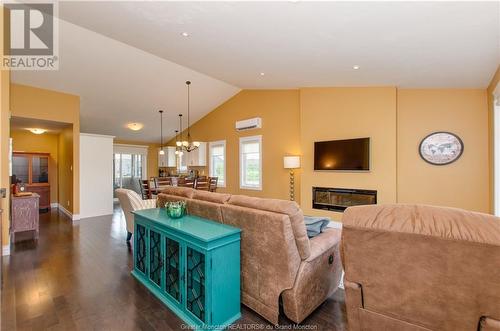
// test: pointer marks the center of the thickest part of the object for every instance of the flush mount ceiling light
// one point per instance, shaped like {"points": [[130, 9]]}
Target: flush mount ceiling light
{"points": [[135, 126], [355, 67], [37, 131], [185, 34], [262, 73]]}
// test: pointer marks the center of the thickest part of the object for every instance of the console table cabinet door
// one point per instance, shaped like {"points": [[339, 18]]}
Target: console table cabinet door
{"points": [[155, 266], [140, 248], [173, 282], [196, 283]]}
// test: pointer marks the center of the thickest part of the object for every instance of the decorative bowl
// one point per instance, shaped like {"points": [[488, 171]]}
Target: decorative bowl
{"points": [[176, 209]]}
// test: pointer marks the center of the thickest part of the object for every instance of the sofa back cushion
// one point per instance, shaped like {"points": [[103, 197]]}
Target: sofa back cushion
{"points": [[432, 266], [200, 208], [163, 198], [179, 191], [269, 256], [205, 209], [211, 196], [289, 208]]}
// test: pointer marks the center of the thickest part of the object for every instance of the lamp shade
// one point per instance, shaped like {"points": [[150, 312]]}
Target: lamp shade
{"points": [[291, 162]]}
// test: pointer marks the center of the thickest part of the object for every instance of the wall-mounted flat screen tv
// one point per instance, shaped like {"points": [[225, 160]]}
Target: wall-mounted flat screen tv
{"points": [[348, 154]]}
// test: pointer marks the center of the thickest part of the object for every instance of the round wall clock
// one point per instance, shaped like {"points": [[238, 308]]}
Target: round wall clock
{"points": [[440, 148]]}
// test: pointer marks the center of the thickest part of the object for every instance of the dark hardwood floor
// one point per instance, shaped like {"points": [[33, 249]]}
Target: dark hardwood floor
{"points": [[77, 277]]}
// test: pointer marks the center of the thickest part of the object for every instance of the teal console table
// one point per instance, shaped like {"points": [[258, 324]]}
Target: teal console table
{"points": [[191, 264]]}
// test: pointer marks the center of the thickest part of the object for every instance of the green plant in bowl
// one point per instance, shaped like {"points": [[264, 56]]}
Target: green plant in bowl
{"points": [[176, 209]]}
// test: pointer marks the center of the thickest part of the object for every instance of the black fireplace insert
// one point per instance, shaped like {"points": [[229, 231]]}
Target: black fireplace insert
{"points": [[339, 199]]}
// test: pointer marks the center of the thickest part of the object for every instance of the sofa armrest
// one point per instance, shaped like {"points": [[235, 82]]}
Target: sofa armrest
{"points": [[353, 302], [323, 243], [318, 277], [149, 203]]}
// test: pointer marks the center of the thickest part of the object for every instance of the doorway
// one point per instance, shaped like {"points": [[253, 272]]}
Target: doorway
{"points": [[129, 167]]}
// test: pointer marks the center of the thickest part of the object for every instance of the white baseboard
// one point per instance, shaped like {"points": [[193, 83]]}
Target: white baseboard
{"points": [[6, 250], [108, 213], [73, 217]]}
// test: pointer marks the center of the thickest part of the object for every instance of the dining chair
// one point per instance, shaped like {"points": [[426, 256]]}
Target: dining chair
{"points": [[212, 183], [185, 182], [145, 189], [162, 182], [202, 183]]}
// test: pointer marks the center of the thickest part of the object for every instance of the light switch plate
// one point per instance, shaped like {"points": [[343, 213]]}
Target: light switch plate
{"points": [[3, 193]]}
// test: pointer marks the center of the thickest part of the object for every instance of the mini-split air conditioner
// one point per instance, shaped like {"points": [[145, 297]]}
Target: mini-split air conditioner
{"points": [[249, 124]]}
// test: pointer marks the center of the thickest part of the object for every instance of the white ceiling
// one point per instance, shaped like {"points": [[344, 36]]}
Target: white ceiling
{"points": [[301, 43], [21, 124], [130, 59], [119, 84]]}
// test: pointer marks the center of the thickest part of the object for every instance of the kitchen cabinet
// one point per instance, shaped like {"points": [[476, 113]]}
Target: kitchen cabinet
{"points": [[168, 159], [198, 157]]}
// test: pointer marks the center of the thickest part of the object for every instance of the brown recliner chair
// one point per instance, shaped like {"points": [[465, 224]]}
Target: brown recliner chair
{"points": [[411, 267]]}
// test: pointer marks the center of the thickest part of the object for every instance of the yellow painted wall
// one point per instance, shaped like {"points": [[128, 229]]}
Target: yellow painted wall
{"points": [[66, 184], [279, 110], [37, 103], [464, 183], [4, 135], [491, 87], [395, 120], [345, 113], [25, 141], [152, 162]]}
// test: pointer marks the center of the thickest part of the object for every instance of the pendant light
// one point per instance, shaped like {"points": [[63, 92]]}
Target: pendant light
{"points": [[189, 145], [178, 143], [162, 152], [178, 140]]}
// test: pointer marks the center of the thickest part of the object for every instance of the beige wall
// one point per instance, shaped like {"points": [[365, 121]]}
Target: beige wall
{"points": [[491, 87], [4, 135], [344, 113], [25, 141], [37, 103], [152, 162], [279, 110], [464, 183]]}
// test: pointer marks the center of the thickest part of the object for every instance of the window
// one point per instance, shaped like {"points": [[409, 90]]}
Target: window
{"points": [[251, 163], [129, 165], [182, 163], [217, 161]]}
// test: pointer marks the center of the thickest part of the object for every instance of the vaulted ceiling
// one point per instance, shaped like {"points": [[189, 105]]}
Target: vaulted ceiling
{"points": [[128, 59]]}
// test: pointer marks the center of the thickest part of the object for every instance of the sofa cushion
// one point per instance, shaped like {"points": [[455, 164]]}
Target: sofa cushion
{"points": [[289, 208], [211, 196], [442, 222], [180, 191], [163, 198], [204, 209]]}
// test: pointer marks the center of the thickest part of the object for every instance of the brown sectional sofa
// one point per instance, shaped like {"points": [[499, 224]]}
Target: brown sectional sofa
{"points": [[277, 257], [414, 268]]}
